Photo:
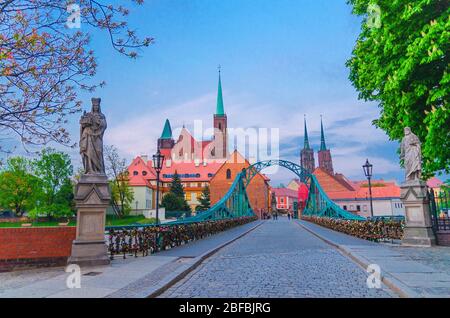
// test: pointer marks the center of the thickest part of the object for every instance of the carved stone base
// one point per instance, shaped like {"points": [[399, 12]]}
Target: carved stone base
{"points": [[89, 254], [92, 198], [418, 230], [418, 236]]}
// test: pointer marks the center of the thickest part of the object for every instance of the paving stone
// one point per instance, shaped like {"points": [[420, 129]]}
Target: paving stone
{"points": [[278, 259]]}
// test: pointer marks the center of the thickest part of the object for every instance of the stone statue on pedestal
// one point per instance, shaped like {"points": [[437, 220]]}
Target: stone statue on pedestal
{"points": [[92, 193], [410, 153], [93, 126], [414, 195]]}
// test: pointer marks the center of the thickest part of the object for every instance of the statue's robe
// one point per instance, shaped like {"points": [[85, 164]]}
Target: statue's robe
{"points": [[410, 152], [91, 143]]}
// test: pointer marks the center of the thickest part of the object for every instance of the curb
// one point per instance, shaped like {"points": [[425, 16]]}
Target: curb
{"points": [[393, 283], [185, 270]]}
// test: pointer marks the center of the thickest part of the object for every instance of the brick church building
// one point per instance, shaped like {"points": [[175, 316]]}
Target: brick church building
{"points": [[199, 163]]}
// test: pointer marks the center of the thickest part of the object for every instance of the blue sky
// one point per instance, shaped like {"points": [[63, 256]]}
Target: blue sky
{"points": [[280, 60]]}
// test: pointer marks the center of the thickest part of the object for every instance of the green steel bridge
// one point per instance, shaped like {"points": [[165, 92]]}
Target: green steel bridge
{"points": [[236, 203]]}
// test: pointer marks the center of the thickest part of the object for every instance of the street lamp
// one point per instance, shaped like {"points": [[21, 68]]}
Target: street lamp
{"points": [[368, 172], [158, 160]]}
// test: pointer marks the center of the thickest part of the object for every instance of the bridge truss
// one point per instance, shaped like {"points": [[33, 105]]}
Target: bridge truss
{"points": [[235, 203]]}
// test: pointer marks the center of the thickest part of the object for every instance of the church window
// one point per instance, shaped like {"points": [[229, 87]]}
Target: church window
{"points": [[220, 126], [228, 174]]}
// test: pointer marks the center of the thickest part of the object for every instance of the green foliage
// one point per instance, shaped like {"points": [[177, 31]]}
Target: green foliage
{"points": [[176, 200], [18, 186], [122, 194], [176, 187], [205, 200], [404, 66], [55, 195], [172, 203]]}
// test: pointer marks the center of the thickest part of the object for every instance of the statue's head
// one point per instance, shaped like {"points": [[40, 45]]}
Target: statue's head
{"points": [[96, 105], [407, 130]]}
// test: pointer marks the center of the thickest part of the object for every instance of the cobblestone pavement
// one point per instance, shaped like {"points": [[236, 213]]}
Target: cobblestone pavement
{"points": [[278, 259]]}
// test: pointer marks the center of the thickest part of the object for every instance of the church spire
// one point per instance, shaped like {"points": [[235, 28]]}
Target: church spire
{"points": [[322, 136], [306, 141], [167, 131], [220, 109]]}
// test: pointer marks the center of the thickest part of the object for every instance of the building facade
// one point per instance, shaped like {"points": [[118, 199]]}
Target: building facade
{"points": [[196, 162], [287, 199], [258, 190]]}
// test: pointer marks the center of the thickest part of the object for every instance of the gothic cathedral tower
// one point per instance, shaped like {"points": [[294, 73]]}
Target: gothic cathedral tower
{"points": [[307, 154], [220, 126], [325, 161]]}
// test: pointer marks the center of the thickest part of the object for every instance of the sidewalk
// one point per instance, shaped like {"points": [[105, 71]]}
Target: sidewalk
{"points": [[125, 278], [411, 272]]}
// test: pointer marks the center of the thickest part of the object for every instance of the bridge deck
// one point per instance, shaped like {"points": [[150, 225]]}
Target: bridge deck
{"points": [[277, 259]]}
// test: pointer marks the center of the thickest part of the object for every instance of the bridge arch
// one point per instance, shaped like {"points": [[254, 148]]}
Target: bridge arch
{"points": [[236, 203], [318, 202]]}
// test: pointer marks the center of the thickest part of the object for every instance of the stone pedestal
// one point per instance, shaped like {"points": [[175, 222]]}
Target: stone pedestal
{"points": [[92, 197], [418, 229]]}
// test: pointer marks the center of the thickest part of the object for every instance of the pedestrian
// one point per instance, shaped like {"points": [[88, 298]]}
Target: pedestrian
{"points": [[289, 216]]}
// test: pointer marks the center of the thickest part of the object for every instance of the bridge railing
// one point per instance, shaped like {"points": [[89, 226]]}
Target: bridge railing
{"points": [[320, 205]]}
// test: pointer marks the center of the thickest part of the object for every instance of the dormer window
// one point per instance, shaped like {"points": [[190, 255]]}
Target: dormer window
{"points": [[144, 173], [135, 173]]}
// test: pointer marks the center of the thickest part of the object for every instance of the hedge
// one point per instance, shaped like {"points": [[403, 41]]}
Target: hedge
{"points": [[369, 230]]}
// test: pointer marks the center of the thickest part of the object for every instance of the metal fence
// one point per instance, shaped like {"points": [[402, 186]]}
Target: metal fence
{"points": [[439, 208]]}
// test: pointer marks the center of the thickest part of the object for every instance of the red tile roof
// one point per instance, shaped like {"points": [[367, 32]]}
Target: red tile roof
{"points": [[338, 187], [434, 183], [285, 192], [141, 173]]}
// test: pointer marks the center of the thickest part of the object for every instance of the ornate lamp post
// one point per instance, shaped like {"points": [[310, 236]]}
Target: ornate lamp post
{"points": [[158, 160], [367, 167]]}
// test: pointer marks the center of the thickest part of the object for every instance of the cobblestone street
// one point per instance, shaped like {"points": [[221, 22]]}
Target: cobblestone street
{"points": [[278, 259]]}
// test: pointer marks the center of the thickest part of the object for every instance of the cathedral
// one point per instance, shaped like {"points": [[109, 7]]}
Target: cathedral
{"points": [[324, 155]]}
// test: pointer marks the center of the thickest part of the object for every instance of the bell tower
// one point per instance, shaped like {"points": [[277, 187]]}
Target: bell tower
{"points": [[220, 126], [324, 154], [307, 154]]}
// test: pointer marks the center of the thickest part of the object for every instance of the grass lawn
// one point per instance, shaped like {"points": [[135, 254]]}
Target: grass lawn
{"points": [[128, 220], [110, 220], [41, 224]]}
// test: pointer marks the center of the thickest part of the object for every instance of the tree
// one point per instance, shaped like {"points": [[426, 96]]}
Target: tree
{"points": [[176, 201], [172, 203], [404, 66], [121, 193], [55, 197], [176, 187], [205, 200], [18, 187], [45, 60]]}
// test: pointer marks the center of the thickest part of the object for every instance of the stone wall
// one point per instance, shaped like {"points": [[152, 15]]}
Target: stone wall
{"points": [[36, 246]]}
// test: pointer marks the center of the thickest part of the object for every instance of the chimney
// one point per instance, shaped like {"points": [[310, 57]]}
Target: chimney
{"points": [[168, 163]]}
